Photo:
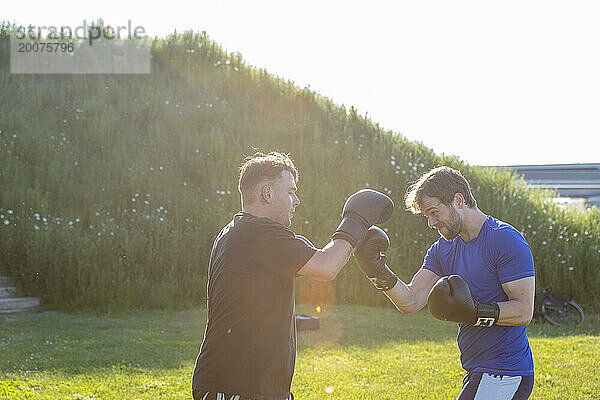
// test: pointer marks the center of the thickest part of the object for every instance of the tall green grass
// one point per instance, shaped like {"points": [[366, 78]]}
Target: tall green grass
{"points": [[114, 187]]}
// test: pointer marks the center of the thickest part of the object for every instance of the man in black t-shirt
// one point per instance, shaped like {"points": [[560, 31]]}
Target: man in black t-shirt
{"points": [[249, 346]]}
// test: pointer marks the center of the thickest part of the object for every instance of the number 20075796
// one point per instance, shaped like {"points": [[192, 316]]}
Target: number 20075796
{"points": [[43, 47]]}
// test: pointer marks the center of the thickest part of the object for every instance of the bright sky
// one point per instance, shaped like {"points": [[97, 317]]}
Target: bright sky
{"points": [[495, 83]]}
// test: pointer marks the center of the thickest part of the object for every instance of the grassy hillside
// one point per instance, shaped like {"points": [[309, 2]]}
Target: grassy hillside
{"points": [[114, 187]]}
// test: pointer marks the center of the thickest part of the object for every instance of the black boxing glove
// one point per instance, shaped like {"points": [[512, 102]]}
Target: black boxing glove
{"points": [[371, 260], [450, 300], [364, 208]]}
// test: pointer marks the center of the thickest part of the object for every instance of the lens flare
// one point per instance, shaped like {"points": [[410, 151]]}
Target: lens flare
{"points": [[318, 308], [329, 389]]}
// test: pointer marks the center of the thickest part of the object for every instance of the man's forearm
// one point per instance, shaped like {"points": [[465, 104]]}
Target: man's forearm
{"points": [[326, 263], [403, 298], [338, 253], [514, 313]]}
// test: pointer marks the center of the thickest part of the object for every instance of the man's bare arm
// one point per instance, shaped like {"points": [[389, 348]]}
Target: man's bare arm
{"points": [[412, 297], [326, 263], [518, 310]]}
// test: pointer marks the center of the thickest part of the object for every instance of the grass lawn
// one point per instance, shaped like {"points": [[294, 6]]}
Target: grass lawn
{"points": [[359, 353]]}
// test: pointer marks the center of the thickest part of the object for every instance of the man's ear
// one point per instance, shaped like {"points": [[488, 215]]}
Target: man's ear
{"points": [[266, 193], [459, 200]]}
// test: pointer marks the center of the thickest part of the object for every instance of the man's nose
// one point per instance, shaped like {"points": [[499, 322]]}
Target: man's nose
{"points": [[296, 201]]}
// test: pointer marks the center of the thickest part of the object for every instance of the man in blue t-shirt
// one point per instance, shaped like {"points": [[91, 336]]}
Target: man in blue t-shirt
{"points": [[479, 274]]}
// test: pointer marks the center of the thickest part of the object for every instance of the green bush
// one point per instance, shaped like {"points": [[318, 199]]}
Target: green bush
{"points": [[114, 187]]}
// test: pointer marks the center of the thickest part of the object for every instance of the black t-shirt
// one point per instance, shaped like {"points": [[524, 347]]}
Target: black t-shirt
{"points": [[249, 346]]}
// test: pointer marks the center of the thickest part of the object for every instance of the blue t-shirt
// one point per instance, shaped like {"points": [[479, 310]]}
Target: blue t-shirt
{"points": [[499, 254]]}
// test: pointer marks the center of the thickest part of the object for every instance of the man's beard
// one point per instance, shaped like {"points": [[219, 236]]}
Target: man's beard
{"points": [[453, 226]]}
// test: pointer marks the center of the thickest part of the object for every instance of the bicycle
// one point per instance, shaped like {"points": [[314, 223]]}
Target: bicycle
{"points": [[558, 311]]}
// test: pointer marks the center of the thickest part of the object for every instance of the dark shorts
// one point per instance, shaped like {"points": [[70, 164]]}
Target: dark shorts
{"points": [[481, 385], [203, 395]]}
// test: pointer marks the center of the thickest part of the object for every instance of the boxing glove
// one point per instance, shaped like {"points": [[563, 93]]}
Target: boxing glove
{"points": [[371, 260], [364, 208], [450, 300]]}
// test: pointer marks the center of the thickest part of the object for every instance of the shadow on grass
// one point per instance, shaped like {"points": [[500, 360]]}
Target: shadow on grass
{"points": [[82, 343]]}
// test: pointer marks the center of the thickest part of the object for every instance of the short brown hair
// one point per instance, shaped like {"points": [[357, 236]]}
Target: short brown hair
{"points": [[260, 167], [441, 182]]}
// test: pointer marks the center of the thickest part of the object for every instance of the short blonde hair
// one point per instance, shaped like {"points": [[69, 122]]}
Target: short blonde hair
{"points": [[260, 167]]}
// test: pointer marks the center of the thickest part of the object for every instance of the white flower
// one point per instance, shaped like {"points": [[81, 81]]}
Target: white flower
{"points": [[6, 222], [167, 102]]}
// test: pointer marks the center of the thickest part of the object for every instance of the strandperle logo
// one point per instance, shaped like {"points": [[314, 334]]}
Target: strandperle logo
{"points": [[86, 48]]}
